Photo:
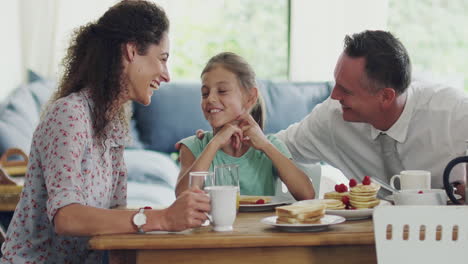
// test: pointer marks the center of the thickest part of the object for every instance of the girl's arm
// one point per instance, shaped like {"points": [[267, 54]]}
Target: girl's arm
{"points": [[188, 162], [82, 220], [296, 180]]}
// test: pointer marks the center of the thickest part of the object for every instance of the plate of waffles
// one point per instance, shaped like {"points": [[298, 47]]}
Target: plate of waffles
{"points": [[251, 203], [336, 207]]}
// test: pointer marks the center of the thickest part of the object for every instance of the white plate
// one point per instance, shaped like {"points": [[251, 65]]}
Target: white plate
{"points": [[275, 201], [324, 223], [349, 214], [390, 197]]}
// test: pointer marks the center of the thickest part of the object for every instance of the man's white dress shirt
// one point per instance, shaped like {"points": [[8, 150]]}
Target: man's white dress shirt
{"points": [[430, 132]]}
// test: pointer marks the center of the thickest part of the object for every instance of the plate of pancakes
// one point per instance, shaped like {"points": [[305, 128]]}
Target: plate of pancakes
{"points": [[358, 203], [253, 203], [301, 218]]}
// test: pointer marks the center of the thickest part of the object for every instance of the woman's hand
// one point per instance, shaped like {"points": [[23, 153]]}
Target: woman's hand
{"points": [[188, 211], [252, 132]]}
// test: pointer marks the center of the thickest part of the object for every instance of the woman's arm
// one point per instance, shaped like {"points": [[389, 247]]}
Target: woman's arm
{"points": [[81, 220]]}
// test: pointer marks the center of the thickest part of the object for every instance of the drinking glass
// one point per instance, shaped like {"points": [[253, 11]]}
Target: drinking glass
{"points": [[201, 179], [228, 174]]}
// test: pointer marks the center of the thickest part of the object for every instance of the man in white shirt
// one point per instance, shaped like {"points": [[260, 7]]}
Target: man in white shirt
{"points": [[373, 95]]}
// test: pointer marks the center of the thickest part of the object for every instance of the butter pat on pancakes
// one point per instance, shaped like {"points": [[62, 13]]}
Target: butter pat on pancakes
{"points": [[300, 214], [364, 196]]}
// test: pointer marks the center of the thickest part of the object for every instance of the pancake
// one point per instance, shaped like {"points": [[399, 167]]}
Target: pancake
{"points": [[361, 188], [253, 199], [364, 196], [365, 205], [335, 195], [333, 204]]}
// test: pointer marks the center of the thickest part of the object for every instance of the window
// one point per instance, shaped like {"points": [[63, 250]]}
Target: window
{"points": [[254, 29], [434, 32]]}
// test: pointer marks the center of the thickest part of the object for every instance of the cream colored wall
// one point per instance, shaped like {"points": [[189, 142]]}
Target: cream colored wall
{"points": [[11, 74]]}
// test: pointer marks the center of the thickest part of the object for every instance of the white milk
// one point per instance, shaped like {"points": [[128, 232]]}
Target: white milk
{"points": [[223, 206]]}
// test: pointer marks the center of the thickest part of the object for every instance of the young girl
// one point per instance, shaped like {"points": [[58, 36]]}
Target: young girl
{"points": [[234, 108]]}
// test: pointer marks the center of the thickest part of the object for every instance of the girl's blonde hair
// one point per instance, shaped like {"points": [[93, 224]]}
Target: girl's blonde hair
{"points": [[246, 77]]}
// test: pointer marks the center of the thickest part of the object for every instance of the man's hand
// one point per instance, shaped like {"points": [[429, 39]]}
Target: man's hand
{"points": [[199, 133], [188, 211]]}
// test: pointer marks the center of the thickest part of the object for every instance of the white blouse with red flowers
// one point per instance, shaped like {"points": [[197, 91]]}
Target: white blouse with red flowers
{"points": [[66, 165]]}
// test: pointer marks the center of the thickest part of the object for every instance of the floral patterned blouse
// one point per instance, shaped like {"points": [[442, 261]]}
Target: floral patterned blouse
{"points": [[66, 165]]}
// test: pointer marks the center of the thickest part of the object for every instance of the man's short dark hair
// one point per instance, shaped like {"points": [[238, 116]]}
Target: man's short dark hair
{"points": [[387, 61]]}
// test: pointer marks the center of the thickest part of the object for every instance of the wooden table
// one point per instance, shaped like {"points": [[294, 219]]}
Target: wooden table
{"points": [[250, 242]]}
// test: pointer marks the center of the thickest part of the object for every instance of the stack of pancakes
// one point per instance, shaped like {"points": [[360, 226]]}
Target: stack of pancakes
{"points": [[300, 214], [364, 196]]}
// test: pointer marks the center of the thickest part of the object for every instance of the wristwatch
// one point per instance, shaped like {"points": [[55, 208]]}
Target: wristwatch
{"points": [[139, 220]]}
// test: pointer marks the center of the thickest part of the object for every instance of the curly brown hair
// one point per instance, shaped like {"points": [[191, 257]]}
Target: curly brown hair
{"points": [[94, 58]]}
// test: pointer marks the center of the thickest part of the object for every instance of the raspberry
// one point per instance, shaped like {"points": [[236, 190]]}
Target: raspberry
{"points": [[420, 192], [345, 200], [352, 182], [366, 180], [337, 188], [343, 188], [260, 201]]}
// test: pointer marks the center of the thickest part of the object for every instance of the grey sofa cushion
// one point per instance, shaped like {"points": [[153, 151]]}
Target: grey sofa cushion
{"points": [[20, 112], [175, 111]]}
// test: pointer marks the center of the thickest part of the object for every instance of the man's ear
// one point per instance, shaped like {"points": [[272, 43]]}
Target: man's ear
{"points": [[388, 96], [130, 51]]}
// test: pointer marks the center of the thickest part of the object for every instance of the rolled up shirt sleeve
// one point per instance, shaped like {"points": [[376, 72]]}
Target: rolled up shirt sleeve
{"points": [[63, 147]]}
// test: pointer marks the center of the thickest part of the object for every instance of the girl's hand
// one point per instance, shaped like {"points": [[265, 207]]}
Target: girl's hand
{"points": [[229, 134], [252, 132]]}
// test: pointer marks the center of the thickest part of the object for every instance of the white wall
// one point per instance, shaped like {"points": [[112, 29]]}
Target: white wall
{"points": [[36, 34], [318, 28], [11, 74]]}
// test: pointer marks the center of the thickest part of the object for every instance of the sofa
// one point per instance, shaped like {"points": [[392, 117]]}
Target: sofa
{"points": [[173, 114]]}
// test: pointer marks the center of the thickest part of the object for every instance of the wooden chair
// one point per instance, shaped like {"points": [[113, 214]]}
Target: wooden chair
{"points": [[314, 171], [421, 234]]}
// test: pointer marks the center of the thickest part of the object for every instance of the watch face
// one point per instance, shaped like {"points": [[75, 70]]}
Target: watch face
{"points": [[139, 219]]}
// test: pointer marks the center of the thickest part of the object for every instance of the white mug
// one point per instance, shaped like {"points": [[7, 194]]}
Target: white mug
{"points": [[413, 179], [223, 206]]}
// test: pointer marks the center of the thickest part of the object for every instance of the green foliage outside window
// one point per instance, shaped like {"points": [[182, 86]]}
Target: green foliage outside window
{"points": [[435, 34], [255, 29]]}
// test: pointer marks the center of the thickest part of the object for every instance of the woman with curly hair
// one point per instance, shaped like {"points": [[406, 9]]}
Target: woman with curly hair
{"points": [[76, 173]]}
